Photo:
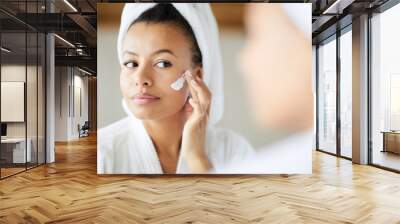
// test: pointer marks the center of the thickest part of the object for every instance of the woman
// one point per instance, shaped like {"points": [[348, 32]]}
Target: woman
{"points": [[170, 66]]}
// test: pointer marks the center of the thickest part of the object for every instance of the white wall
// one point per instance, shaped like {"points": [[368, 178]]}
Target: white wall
{"points": [[67, 116], [61, 103], [79, 117], [17, 73], [108, 92], [12, 73], [33, 126], [12, 101]]}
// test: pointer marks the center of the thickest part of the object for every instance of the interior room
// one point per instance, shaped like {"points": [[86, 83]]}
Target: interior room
{"points": [[52, 94]]}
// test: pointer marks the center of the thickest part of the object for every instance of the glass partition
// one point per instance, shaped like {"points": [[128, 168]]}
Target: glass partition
{"points": [[14, 153], [22, 77]]}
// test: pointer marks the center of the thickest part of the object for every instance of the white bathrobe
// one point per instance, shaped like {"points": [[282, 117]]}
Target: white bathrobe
{"points": [[125, 147]]}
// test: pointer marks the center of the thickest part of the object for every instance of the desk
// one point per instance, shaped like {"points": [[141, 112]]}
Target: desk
{"points": [[391, 141], [15, 148]]}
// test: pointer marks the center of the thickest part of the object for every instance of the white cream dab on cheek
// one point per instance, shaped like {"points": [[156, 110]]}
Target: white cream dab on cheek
{"points": [[179, 83]]}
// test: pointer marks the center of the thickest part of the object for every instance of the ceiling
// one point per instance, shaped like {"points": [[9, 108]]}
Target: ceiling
{"points": [[72, 20], [76, 22], [332, 15]]}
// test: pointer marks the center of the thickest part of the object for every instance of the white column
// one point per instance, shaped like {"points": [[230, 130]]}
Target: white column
{"points": [[50, 100], [360, 90]]}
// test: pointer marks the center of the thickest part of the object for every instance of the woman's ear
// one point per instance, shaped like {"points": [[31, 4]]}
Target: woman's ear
{"points": [[198, 71]]}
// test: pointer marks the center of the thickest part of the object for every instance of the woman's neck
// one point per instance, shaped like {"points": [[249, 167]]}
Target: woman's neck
{"points": [[166, 133]]}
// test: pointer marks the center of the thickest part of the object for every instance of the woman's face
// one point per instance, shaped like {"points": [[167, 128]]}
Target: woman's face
{"points": [[154, 56]]}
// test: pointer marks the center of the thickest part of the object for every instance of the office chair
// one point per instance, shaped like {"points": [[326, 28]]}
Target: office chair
{"points": [[84, 130]]}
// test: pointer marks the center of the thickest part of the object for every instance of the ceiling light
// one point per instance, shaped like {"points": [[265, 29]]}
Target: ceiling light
{"points": [[65, 41], [70, 5], [338, 6], [5, 50], [84, 71]]}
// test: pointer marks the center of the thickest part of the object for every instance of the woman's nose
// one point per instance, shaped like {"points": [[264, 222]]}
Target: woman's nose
{"points": [[143, 79]]}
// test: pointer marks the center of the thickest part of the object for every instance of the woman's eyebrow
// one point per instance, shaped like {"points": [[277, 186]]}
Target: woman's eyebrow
{"points": [[129, 52], [164, 51], [154, 53]]}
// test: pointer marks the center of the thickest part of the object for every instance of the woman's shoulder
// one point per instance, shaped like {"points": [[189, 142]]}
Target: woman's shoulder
{"points": [[117, 130], [112, 144]]}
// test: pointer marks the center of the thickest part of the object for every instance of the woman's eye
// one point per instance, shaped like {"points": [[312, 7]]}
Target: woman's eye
{"points": [[130, 64], [163, 64]]}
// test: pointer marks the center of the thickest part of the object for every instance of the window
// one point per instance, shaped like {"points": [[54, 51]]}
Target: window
{"points": [[346, 93], [327, 96], [385, 88]]}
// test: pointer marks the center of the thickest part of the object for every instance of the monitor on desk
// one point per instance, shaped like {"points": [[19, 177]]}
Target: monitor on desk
{"points": [[3, 130]]}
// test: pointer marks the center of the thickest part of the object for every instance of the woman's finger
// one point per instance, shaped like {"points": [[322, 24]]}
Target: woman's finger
{"points": [[195, 104], [189, 80], [203, 93], [187, 106], [191, 89]]}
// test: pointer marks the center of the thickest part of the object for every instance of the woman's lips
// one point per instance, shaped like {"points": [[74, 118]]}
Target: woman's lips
{"points": [[142, 99]]}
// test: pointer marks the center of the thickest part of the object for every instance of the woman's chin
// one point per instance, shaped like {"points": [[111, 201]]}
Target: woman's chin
{"points": [[145, 115], [149, 114], [155, 111]]}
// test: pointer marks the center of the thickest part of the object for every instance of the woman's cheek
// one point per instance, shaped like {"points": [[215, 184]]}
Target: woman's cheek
{"points": [[178, 97], [124, 83]]}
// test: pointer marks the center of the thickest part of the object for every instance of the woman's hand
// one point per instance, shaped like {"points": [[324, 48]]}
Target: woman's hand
{"points": [[194, 131]]}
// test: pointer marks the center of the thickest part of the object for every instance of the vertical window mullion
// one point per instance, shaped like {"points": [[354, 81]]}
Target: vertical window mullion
{"points": [[37, 88], [338, 80], [317, 95], [26, 86]]}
